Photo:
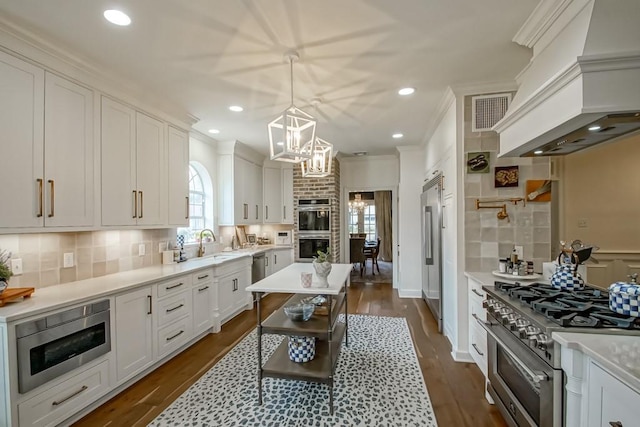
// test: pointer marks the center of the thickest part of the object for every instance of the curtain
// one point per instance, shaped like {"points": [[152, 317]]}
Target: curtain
{"points": [[382, 201]]}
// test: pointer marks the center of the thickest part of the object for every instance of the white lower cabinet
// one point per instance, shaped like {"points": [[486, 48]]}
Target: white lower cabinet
{"points": [[280, 258], [204, 302], [174, 335], [174, 324], [231, 281], [134, 332], [477, 335], [57, 403], [609, 401]]}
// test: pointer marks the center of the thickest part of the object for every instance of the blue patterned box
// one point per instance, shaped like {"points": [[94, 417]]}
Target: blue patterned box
{"points": [[623, 298], [302, 349]]}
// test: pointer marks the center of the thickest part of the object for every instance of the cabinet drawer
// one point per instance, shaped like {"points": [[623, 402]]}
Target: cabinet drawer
{"points": [[478, 346], [202, 276], [476, 293], [173, 286], [174, 335], [61, 401], [174, 307], [610, 400], [475, 307]]}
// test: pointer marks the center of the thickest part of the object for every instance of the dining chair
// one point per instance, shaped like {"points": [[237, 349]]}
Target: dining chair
{"points": [[356, 252], [371, 252]]}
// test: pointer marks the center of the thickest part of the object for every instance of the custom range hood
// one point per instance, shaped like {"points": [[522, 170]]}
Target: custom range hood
{"points": [[582, 86]]}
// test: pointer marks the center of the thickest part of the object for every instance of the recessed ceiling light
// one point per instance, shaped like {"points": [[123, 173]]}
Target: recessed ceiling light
{"points": [[214, 131], [595, 127], [397, 135], [538, 152], [117, 17], [236, 108], [406, 91]]}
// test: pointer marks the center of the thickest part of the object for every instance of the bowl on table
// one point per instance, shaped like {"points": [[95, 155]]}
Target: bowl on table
{"points": [[299, 312]]}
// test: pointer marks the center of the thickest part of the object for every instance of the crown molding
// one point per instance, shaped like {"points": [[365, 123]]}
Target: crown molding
{"points": [[447, 100]]}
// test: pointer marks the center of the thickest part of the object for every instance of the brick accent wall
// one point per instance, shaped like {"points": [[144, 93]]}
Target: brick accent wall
{"points": [[320, 188]]}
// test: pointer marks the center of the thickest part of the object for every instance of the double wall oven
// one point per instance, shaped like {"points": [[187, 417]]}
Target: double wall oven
{"points": [[53, 345], [314, 227]]}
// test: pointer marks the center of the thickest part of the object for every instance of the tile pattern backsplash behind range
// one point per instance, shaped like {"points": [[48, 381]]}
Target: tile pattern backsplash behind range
{"points": [[95, 254], [488, 238]]}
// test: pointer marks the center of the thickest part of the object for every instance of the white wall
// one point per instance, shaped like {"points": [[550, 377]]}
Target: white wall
{"points": [[203, 150], [409, 190]]}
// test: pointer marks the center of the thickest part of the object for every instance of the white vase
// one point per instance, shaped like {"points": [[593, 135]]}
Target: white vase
{"points": [[322, 271]]}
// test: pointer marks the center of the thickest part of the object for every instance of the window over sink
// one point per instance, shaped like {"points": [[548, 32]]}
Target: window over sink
{"points": [[200, 202]]}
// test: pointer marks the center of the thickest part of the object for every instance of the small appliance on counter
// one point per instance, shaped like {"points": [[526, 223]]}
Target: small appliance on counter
{"points": [[624, 297], [283, 238]]}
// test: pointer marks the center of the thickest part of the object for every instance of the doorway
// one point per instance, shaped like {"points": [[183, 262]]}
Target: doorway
{"points": [[370, 230]]}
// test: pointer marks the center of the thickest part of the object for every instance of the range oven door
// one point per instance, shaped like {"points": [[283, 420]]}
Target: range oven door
{"points": [[308, 246], [314, 219], [527, 390]]}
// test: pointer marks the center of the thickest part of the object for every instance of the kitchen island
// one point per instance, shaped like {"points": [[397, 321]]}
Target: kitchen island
{"points": [[325, 328]]}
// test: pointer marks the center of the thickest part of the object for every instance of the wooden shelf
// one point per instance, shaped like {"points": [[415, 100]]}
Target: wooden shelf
{"points": [[317, 370], [317, 326]]}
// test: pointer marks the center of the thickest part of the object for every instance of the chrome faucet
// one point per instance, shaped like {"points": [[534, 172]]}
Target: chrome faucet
{"points": [[201, 248]]}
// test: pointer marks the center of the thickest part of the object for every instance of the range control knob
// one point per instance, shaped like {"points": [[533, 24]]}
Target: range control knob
{"points": [[509, 319], [504, 311], [520, 323], [486, 303], [544, 342], [528, 331]]}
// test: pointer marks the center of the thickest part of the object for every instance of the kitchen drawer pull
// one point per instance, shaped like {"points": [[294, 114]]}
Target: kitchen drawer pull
{"points": [[186, 213], [72, 395], [257, 210], [266, 212], [39, 181], [168, 288], [284, 212], [150, 307], [245, 213], [203, 289], [135, 204], [477, 349], [203, 277], [169, 310], [52, 196], [477, 293], [615, 424], [141, 204], [175, 336], [275, 258]]}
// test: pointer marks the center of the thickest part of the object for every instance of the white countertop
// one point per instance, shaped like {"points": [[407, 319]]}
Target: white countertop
{"points": [[488, 279], [288, 280], [618, 354], [58, 296]]}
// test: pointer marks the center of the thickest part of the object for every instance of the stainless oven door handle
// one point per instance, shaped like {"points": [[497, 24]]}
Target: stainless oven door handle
{"points": [[537, 376]]}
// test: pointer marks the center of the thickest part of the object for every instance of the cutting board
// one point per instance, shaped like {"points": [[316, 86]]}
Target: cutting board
{"points": [[10, 294]]}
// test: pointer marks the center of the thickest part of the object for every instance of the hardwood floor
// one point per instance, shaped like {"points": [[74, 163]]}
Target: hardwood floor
{"points": [[456, 389]]}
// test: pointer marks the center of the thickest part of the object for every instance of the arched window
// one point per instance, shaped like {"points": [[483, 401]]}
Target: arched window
{"points": [[200, 202]]}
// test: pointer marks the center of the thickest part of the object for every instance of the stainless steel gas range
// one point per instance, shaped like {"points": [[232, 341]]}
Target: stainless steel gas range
{"points": [[525, 377]]}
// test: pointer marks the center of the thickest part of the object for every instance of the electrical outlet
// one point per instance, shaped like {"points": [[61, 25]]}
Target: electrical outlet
{"points": [[16, 266], [582, 223], [68, 260], [162, 246], [141, 249], [519, 251]]}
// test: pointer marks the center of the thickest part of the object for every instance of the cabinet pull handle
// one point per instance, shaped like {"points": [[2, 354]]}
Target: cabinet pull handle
{"points": [[203, 289], [203, 277], [275, 258], [186, 214], [39, 181], [141, 204], [176, 335], [477, 293], [284, 212], [476, 349], [257, 214], [135, 204], [266, 261], [169, 310], [235, 285], [52, 196], [168, 288], [246, 211], [615, 423], [150, 307], [74, 394], [266, 212]]}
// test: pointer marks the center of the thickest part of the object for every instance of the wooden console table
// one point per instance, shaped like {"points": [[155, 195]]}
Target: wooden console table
{"points": [[324, 327]]}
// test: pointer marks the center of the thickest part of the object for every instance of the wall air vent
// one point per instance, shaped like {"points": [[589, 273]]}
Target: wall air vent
{"points": [[487, 110]]}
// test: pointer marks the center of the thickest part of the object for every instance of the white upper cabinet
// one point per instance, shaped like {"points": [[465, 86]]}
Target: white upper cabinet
{"points": [[240, 191], [49, 167], [272, 195], [132, 154], [178, 174], [69, 150], [287, 195]]}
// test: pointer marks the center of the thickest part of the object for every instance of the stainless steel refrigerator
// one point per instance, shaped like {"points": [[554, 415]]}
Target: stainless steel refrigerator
{"points": [[431, 207]]}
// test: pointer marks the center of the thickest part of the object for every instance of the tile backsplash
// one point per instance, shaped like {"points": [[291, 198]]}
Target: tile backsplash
{"points": [[95, 253]]}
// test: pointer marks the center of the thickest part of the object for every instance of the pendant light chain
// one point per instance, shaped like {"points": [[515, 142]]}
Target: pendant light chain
{"points": [[291, 75]]}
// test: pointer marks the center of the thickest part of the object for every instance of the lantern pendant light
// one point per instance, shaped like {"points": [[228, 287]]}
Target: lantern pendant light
{"points": [[319, 164], [292, 134]]}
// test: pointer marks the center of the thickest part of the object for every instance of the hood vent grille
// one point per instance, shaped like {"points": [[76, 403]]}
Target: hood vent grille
{"points": [[487, 110]]}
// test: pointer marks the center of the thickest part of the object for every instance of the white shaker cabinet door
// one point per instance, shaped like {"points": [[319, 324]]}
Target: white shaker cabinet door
{"points": [[134, 334], [178, 174], [68, 163], [610, 402], [287, 196], [272, 195], [118, 158], [21, 143], [150, 137]]}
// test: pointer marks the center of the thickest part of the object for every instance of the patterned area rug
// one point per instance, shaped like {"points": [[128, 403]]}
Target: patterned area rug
{"points": [[378, 382], [385, 275]]}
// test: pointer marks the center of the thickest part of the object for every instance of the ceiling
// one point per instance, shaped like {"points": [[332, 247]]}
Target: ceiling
{"points": [[204, 55]]}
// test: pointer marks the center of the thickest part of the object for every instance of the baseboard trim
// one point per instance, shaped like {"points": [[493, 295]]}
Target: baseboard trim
{"points": [[409, 293], [462, 356]]}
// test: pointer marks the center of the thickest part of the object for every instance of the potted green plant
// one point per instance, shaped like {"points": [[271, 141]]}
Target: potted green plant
{"points": [[5, 269], [322, 266]]}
